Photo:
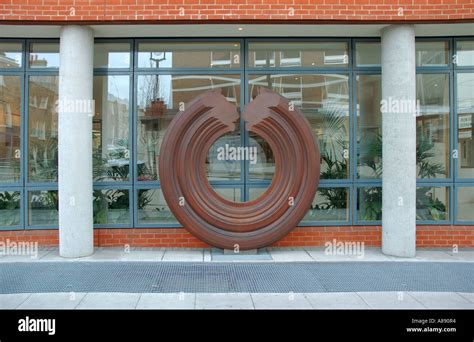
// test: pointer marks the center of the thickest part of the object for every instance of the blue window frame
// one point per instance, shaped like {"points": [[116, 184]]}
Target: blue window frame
{"points": [[28, 203]]}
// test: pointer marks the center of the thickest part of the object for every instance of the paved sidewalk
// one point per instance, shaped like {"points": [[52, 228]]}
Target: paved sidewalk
{"points": [[357, 298], [335, 300], [264, 255]]}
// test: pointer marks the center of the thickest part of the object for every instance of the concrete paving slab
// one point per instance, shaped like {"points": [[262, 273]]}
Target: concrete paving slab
{"points": [[54, 301], [26, 258], [106, 254], [280, 301], [223, 301], [207, 255], [430, 255], [184, 255], [143, 255], [338, 300], [468, 296], [167, 301], [290, 255], [12, 301], [390, 300], [442, 300], [109, 300]]}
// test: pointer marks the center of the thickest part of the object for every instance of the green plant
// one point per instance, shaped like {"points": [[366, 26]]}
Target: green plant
{"points": [[424, 154], [9, 208], [110, 200], [371, 203], [372, 200], [43, 159], [9, 200], [429, 208]]}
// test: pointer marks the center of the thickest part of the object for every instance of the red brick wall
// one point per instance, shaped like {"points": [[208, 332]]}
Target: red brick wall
{"points": [[130, 11], [427, 236]]}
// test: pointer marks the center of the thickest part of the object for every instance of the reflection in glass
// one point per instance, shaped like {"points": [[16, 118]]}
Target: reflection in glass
{"points": [[111, 55], [432, 203], [10, 97], [465, 117], [10, 55], [152, 207], [262, 166], [225, 158], [189, 55], [159, 98], [111, 145], [324, 99], [329, 204], [432, 54], [111, 206], [465, 204], [369, 126], [432, 126], [44, 55], [255, 193], [43, 129], [9, 208], [369, 203], [43, 207], [294, 54], [368, 54], [465, 53], [230, 194]]}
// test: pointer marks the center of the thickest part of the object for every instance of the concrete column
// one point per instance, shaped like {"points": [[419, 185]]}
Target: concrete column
{"points": [[399, 141], [75, 109]]}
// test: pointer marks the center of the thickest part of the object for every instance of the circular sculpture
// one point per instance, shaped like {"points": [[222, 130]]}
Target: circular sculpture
{"points": [[215, 220]]}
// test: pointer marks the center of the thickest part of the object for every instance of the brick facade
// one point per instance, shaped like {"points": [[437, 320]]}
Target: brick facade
{"points": [[179, 11], [427, 236]]}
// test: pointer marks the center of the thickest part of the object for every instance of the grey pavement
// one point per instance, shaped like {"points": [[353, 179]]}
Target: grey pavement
{"points": [[310, 254], [246, 301]]}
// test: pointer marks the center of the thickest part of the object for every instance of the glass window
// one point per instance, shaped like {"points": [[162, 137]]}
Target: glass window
{"points": [[465, 53], [159, 98], [432, 126], [111, 206], [111, 55], [111, 145], [294, 54], [261, 162], [432, 54], [465, 204], [465, 117], [230, 194], [369, 203], [44, 55], [10, 98], [43, 207], [369, 126], [43, 128], [9, 208], [189, 55], [10, 55], [152, 207], [256, 192], [329, 204], [432, 203], [324, 99], [368, 54]]}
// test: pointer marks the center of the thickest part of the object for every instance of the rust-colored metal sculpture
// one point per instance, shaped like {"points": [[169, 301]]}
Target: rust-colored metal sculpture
{"points": [[215, 220]]}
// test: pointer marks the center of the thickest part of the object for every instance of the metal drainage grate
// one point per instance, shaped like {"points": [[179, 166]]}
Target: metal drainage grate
{"points": [[234, 277]]}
